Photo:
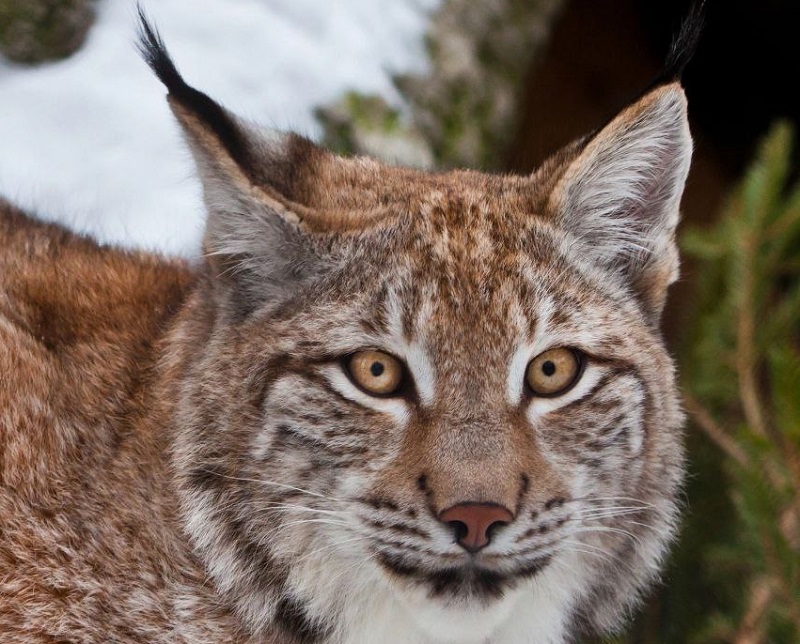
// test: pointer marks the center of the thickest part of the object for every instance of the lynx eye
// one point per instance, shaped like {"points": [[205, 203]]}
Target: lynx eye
{"points": [[553, 372], [375, 372]]}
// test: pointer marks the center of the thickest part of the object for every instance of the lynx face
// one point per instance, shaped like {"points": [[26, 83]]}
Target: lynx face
{"points": [[430, 405]]}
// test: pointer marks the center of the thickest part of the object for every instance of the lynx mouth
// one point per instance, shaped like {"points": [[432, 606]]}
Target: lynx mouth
{"points": [[468, 581]]}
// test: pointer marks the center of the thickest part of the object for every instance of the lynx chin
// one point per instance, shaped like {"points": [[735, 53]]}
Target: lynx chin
{"points": [[386, 406]]}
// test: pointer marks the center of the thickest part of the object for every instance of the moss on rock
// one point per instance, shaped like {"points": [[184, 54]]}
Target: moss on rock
{"points": [[360, 124], [464, 109], [33, 31]]}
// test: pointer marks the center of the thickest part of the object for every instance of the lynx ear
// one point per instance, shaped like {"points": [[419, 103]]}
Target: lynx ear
{"points": [[619, 198], [258, 234]]}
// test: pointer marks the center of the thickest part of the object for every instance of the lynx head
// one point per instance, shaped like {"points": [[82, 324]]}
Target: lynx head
{"points": [[430, 406]]}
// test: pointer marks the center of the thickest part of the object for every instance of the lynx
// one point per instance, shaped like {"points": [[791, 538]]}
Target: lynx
{"points": [[386, 405]]}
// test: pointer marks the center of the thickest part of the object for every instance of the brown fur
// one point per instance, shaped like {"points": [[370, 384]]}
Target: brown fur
{"points": [[89, 538], [182, 456]]}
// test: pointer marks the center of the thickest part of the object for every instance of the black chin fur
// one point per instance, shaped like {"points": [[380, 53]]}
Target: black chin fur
{"points": [[462, 582]]}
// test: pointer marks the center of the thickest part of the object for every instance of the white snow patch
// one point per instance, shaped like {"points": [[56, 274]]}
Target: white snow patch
{"points": [[90, 141]]}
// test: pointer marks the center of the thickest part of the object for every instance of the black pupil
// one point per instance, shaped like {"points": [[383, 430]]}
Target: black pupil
{"points": [[548, 368], [376, 369]]}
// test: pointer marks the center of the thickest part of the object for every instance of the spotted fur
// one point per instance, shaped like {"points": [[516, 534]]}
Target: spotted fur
{"points": [[183, 457]]}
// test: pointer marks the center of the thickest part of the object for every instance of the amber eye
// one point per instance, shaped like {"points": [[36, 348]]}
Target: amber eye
{"points": [[376, 372], [553, 372]]}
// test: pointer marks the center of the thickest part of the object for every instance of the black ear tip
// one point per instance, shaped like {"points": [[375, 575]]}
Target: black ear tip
{"points": [[685, 43], [155, 54]]}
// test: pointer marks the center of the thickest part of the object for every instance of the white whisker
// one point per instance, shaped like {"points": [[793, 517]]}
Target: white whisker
{"points": [[270, 533], [285, 486], [329, 546], [607, 529], [607, 556], [270, 507], [601, 499]]}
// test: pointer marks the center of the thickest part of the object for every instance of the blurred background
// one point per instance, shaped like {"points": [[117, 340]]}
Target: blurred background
{"points": [[86, 138]]}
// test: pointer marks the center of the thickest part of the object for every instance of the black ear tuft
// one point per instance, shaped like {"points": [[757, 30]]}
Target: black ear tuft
{"points": [[684, 45], [155, 54]]}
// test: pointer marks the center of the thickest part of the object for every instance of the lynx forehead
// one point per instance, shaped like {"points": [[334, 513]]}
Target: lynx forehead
{"points": [[388, 406]]}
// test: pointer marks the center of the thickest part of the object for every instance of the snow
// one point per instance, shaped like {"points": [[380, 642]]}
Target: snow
{"points": [[90, 141]]}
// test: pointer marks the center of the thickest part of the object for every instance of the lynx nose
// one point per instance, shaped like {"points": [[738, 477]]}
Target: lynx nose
{"points": [[474, 523]]}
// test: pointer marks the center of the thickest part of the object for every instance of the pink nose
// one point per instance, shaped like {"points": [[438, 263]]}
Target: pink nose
{"points": [[474, 523]]}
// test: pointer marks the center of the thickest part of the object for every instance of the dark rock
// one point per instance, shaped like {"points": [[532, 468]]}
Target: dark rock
{"points": [[33, 31]]}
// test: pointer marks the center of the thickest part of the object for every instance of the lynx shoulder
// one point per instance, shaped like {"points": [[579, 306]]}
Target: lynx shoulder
{"points": [[386, 405], [86, 547]]}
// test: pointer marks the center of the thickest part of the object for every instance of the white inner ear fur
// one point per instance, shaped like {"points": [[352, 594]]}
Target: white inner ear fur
{"points": [[620, 197]]}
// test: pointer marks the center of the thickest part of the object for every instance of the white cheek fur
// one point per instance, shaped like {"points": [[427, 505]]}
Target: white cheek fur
{"points": [[422, 372], [528, 351], [545, 339], [516, 374]]}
